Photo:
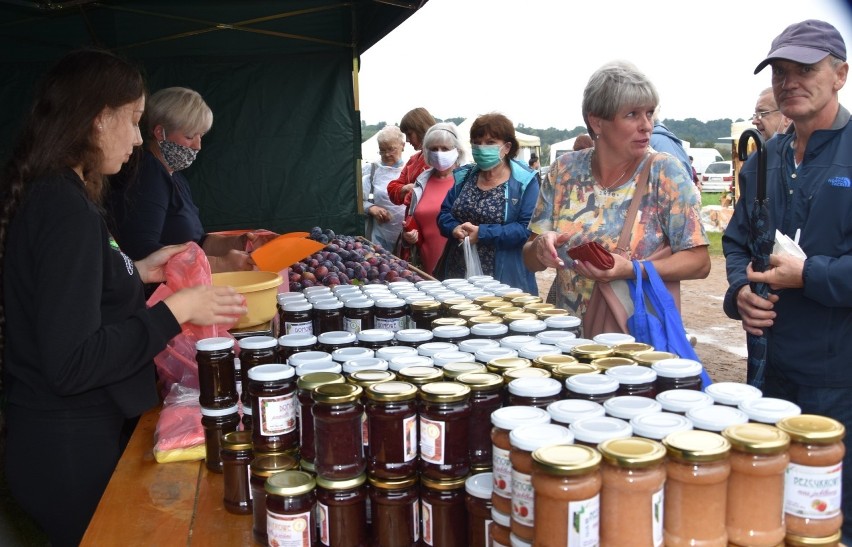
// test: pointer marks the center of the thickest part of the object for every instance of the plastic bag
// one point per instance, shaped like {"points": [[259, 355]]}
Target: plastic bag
{"points": [[472, 265], [179, 432]]}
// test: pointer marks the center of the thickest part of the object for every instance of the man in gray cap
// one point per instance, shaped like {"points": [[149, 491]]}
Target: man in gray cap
{"points": [[808, 316]]}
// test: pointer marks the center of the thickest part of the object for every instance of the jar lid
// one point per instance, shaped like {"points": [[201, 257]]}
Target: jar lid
{"points": [[681, 400], [677, 368], [305, 465], [317, 366], [552, 336], [247, 410], [431, 348], [537, 307], [475, 344], [328, 304], [568, 344], [443, 484], [271, 372], [613, 338], [527, 372], [632, 453], [297, 340], [527, 326], [630, 406], [316, 289], [591, 351], [511, 317], [443, 357], [336, 337], [510, 417], [342, 355], [533, 437], [563, 322], [451, 331], [336, 393], [290, 483], [308, 356], [697, 446], [606, 363], [768, 410], [452, 371], [425, 305], [486, 355], [298, 305], [393, 390], [419, 375], [447, 322], [489, 329], [444, 392], [216, 412], [413, 335], [516, 341], [524, 300], [480, 381], [648, 358], [732, 393], [502, 364], [567, 370], [591, 384], [535, 387], [455, 309], [469, 315], [375, 335], [389, 352], [631, 375], [428, 283], [500, 518], [337, 289], [480, 485], [366, 378], [631, 349], [597, 430], [792, 540], [285, 297], [393, 484], [550, 362], [400, 362], [537, 349], [390, 303], [365, 363], [716, 417], [266, 466], [811, 428], [551, 312], [505, 310], [237, 440], [258, 342], [214, 344], [487, 298], [757, 438], [568, 411], [315, 379], [346, 484], [566, 459], [658, 425]]}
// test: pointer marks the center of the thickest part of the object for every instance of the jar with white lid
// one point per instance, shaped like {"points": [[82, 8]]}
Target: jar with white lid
{"points": [[285, 297], [356, 352], [525, 372], [613, 338], [389, 352], [296, 317], [444, 357], [289, 344], [680, 401], [769, 410], [657, 425], [328, 315], [343, 289], [452, 334], [677, 374], [390, 314], [489, 331], [472, 345], [527, 326], [366, 363], [535, 392], [551, 337], [487, 355], [413, 337], [499, 531], [732, 393], [592, 387], [216, 372], [309, 357], [317, 289], [335, 339], [716, 418], [398, 363], [318, 366], [593, 431], [568, 411], [254, 350], [566, 345], [478, 503], [535, 349], [628, 407], [358, 312], [634, 380], [431, 348], [568, 323], [375, 338], [516, 341]]}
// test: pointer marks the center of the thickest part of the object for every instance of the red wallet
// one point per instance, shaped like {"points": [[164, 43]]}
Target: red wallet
{"points": [[593, 253]]}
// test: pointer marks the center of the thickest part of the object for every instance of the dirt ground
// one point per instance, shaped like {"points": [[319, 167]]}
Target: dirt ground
{"points": [[721, 341]]}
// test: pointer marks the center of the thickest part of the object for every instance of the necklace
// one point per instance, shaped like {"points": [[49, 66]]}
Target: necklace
{"points": [[606, 187]]}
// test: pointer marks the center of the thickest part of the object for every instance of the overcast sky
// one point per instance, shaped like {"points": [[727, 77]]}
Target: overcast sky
{"points": [[531, 59]]}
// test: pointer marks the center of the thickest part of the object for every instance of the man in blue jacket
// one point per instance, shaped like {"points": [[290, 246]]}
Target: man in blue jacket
{"points": [[808, 316]]}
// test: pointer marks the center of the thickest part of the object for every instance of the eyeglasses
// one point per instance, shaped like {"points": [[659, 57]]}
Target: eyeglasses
{"points": [[762, 114]]}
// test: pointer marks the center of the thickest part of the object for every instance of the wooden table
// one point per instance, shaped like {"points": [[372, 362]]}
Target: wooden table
{"points": [[148, 503]]}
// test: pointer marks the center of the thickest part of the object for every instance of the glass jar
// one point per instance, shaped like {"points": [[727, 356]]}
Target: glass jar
{"points": [[504, 421], [486, 397], [420, 375], [697, 471], [593, 431], [532, 391], [261, 469], [568, 411], [732, 393], [715, 418], [815, 470], [450, 334], [680, 401], [390, 352], [423, 313], [524, 440], [501, 364], [338, 443], [290, 344], [431, 348], [634, 380], [342, 512], [390, 314], [273, 400], [392, 425], [358, 315], [297, 317], [445, 357], [334, 340], [658, 425], [489, 331], [529, 327], [256, 350], [444, 425], [246, 419], [472, 345], [216, 422], [478, 504], [568, 323], [328, 315], [365, 379], [443, 512], [500, 529], [768, 410], [395, 512], [290, 509], [486, 355], [632, 479], [306, 385], [567, 484], [375, 338], [648, 358], [217, 381], [677, 374], [367, 363], [516, 341], [236, 457], [586, 353], [347, 354], [452, 371], [628, 407], [412, 338]]}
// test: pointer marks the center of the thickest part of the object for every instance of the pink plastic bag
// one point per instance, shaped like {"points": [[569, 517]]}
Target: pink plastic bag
{"points": [[179, 425]]}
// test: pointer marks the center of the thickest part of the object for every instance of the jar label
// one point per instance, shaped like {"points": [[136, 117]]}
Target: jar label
{"points": [[303, 327], [351, 325], [415, 520], [812, 492], [365, 431], [409, 440], [488, 531], [392, 324], [432, 440], [322, 523], [502, 469], [426, 515], [522, 498], [289, 530], [657, 504], [277, 414], [583, 522]]}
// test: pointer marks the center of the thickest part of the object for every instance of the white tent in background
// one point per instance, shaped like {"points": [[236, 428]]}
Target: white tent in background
{"points": [[559, 148], [370, 150]]}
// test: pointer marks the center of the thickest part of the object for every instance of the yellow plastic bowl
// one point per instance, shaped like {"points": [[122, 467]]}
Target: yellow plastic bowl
{"points": [[259, 289]]}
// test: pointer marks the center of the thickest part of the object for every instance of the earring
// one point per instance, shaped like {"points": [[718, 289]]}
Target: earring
{"points": [[100, 127]]}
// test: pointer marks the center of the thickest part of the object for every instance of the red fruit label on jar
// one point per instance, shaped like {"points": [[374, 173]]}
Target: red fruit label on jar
{"points": [[432, 440], [289, 530], [277, 414], [812, 492], [502, 470], [522, 498]]}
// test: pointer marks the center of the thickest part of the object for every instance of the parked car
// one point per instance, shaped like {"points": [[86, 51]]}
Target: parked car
{"points": [[717, 177]]}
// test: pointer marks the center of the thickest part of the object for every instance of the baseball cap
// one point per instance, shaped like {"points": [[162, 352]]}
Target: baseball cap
{"points": [[807, 43]]}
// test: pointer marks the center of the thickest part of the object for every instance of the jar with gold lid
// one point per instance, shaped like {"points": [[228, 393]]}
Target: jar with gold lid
{"points": [[448, 322], [444, 425], [587, 353], [536, 307], [503, 311], [502, 364], [566, 370], [509, 318], [306, 385], [486, 397], [480, 300], [423, 313], [606, 363], [392, 423], [456, 309], [446, 304], [338, 431], [527, 372], [489, 319], [509, 296], [630, 349], [236, 457], [443, 512], [469, 315], [543, 314], [261, 469], [522, 301], [550, 362], [342, 512], [395, 512], [492, 305], [648, 358], [290, 509], [420, 375]]}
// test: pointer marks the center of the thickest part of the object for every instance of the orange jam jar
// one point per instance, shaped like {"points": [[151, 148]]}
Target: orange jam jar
{"points": [[505, 420], [696, 491], [759, 459]]}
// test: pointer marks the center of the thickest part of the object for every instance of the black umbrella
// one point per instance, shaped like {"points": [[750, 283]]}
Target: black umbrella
{"points": [[760, 242]]}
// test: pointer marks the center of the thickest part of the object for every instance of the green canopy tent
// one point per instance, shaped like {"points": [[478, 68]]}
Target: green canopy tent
{"points": [[280, 77]]}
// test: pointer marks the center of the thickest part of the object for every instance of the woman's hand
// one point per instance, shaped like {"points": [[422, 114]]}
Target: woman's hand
{"points": [[757, 312], [466, 229], [540, 251], [406, 189], [152, 268], [622, 269], [381, 214], [232, 261], [207, 305], [411, 236], [257, 238]]}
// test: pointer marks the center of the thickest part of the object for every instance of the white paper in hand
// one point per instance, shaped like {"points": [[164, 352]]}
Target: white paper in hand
{"points": [[786, 246]]}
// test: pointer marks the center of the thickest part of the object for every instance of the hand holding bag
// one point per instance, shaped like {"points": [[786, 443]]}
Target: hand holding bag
{"points": [[472, 266], [593, 253]]}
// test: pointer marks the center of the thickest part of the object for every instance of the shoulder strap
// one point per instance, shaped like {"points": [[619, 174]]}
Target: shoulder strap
{"points": [[641, 187], [372, 176]]}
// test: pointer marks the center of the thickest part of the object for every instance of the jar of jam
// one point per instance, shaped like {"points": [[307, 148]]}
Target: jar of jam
{"points": [[632, 479], [390, 314], [446, 357], [516, 341], [342, 512], [290, 509], [334, 340], [216, 378], [338, 443], [328, 315], [236, 456], [486, 397], [398, 363], [256, 350], [658, 425], [246, 420], [501, 364], [550, 362], [412, 338], [444, 425], [306, 385], [489, 331], [261, 469], [503, 311], [593, 431], [648, 358], [524, 440], [677, 374], [451, 334], [452, 371], [680, 401], [297, 317], [273, 400], [395, 512], [532, 391], [631, 349], [420, 375], [346, 354], [500, 529], [768, 410], [591, 387], [567, 323], [367, 363], [715, 418], [816, 456], [392, 425], [627, 407], [605, 363], [759, 459], [472, 345], [358, 315], [586, 353], [567, 484], [298, 360], [504, 421], [290, 344], [697, 471], [478, 504], [216, 423], [443, 512], [448, 322], [388, 353], [529, 327], [375, 338], [423, 313], [568, 411], [634, 380], [732, 393]]}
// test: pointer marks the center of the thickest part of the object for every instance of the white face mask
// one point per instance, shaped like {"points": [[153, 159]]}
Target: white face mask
{"points": [[443, 160]]}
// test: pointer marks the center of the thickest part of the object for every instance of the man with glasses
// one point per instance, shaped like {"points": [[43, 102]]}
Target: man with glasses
{"points": [[767, 117], [807, 318]]}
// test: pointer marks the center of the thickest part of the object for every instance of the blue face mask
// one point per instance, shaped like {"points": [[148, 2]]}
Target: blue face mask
{"points": [[486, 156]]}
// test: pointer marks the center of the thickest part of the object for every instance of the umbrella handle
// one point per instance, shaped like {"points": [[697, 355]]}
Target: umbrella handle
{"points": [[742, 152]]}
